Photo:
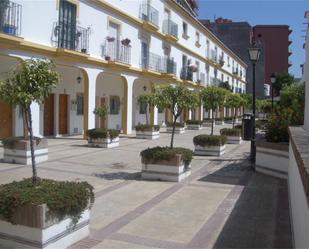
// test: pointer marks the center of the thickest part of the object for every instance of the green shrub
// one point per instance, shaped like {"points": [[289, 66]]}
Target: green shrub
{"points": [[170, 124], [239, 126], [278, 124], [231, 132], [261, 124], [208, 140], [10, 141], [102, 133], [219, 119], [62, 198], [194, 122], [145, 127], [166, 153]]}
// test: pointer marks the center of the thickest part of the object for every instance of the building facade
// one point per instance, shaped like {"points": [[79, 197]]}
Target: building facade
{"points": [[273, 39], [108, 53]]}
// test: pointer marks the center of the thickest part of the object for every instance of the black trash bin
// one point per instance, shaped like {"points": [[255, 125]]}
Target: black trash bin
{"points": [[247, 123]]}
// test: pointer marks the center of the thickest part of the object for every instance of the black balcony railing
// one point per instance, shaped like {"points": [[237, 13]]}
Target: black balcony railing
{"points": [[170, 27], [117, 50], [71, 37], [10, 18], [235, 71], [187, 6], [169, 65], [202, 79], [151, 61], [149, 14]]}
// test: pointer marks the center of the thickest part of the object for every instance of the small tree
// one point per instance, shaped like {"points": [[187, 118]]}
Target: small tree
{"points": [[150, 100], [234, 101], [101, 111], [212, 98], [30, 82], [176, 99], [282, 81]]}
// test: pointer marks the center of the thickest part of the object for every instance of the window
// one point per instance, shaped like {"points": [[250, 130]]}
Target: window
{"points": [[114, 105], [228, 61], [197, 39], [185, 29], [142, 108], [207, 49], [80, 104]]}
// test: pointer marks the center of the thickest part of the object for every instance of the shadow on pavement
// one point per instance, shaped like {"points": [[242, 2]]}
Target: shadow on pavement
{"points": [[118, 176]]}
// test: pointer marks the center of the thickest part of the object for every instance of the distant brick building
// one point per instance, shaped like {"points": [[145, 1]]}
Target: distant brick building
{"points": [[274, 40]]}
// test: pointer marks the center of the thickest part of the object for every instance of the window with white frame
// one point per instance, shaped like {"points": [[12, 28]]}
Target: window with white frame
{"points": [[207, 48], [114, 105], [80, 104], [197, 38], [185, 29]]}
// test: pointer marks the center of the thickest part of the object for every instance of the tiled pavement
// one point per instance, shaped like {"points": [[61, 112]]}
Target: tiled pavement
{"points": [[222, 204]]}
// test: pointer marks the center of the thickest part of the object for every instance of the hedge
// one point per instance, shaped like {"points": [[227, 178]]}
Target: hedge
{"points": [[231, 132], [208, 140], [194, 122], [144, 127], [102, 133]]}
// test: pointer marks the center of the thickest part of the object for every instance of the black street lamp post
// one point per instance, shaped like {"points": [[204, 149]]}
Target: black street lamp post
{"points": [[254, 54], [273, 81]]}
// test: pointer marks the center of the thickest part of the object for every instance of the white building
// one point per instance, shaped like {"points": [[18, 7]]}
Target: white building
{"points": [[108, 53]]}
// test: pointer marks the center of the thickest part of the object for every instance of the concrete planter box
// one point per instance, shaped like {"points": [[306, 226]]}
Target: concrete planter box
{"points": [[272, 158], [194, 127], [209, 150], [234, 140], [231, 121], [219, 122], [148, 134], [178, 130], [20, 152], [36, 230], [172, 170], [207, 123], [103, 142]]}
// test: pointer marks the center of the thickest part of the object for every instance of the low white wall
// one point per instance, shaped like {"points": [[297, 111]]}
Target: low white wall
{"points": [[299, 207]]}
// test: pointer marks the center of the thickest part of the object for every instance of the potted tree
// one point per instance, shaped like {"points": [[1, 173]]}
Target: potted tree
{"points": [[169, 163], [103, 138], [213, 97], [38, 211], [147, 131], [234, 101], [178, 127], [30, 82], [233, 135], [194, 124]]}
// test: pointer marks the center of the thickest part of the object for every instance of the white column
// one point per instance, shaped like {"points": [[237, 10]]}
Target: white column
{"points": [[201, 110], [128, 97], [189, 115], [155, 115], [35, 111]]}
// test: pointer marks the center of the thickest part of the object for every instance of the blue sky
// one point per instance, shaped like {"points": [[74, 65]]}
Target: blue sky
{"points": [[287, 12]]}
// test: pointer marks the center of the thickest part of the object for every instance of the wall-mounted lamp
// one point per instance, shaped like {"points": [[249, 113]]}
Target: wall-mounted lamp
{"points": [[145, 88], [79, 80]]}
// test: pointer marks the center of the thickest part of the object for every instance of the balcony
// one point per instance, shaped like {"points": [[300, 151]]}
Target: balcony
{"points": [[187, 6], [186, 74], [170, 28], [71, 37], [221, 61], [235, 71], [150, 16], [117, 50], [169, 66], [10, 18], [213, 56], [202, 79], [152, 62]]}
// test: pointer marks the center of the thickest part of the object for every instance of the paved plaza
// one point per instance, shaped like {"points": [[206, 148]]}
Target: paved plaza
{"points": [[222, 204]]}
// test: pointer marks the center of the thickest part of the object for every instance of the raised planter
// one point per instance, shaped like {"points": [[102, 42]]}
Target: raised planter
{"points": [[103, 142], [209, 150], [219, 122], [194, 127], [35, 229], [233, 135], [165, 170], [233, 139], [272, 158], [178, 130], [207, 123], [148, 134], [206, 145], [17, 150]]}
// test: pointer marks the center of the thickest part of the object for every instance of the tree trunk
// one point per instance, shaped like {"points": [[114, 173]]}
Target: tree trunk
{"points": [[234, 117], [34, 172], [147, 119], [212, 123], [173, 132]]}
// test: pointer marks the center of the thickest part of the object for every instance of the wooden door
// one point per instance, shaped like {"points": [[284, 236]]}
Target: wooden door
{"points": [[103, 121], [5, 120], [63, 114], [49, 115]]}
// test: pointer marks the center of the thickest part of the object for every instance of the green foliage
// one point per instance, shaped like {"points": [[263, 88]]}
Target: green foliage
{"points": [[101, 111], [282, 81], [145, 127], [177, 124], [239, 126], [32, 81], [62, 198], [194, 122], [263, 105], [293, 96], [231, 132], [165, 153], [234, 100], [213, 97], [261, 124], [11, 141], [149, 99], [209, 140], [102, 133], [225, 85], [277, 126], [247, 100]]}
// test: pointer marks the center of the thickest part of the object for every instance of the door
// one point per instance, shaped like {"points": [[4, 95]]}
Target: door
{"points": [[114, 47], [103, 121], [67, 25], [63, 114], [49, 115], [5, 120]]}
